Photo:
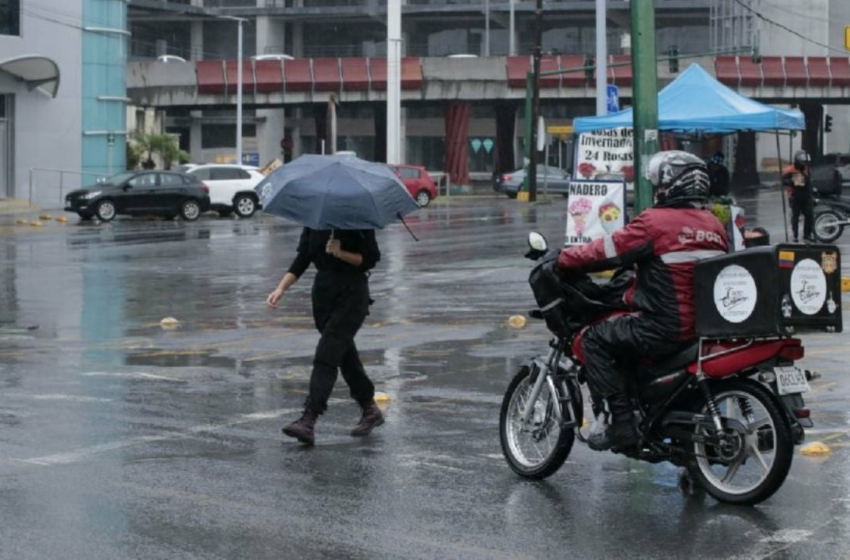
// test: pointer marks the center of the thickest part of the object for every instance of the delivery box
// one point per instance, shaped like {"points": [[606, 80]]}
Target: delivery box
{"points": [[769, 291]]}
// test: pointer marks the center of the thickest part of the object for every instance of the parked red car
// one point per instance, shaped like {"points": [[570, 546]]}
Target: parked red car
{"points": [[419, 183]]}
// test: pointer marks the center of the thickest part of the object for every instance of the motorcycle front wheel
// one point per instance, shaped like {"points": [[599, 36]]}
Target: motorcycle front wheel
{"points": [[537, 448], [756, 449]]}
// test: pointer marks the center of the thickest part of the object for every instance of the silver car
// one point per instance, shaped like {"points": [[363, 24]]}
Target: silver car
{"points": [[549, 180]]}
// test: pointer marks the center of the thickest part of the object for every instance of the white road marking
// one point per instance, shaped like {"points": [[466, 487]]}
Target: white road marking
{"points": [[74, 398], [141, 375], [84, 453]]}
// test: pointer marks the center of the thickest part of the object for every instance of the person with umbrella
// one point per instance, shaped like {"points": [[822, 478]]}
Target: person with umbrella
{"points": [[339, 200]]}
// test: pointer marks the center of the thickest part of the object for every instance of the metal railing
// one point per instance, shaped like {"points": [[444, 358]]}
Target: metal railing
{"points": [[62, 173]]}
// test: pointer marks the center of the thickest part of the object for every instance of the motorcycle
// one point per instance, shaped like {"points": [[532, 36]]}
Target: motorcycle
{"points": [[832, 215], [729, 411]]}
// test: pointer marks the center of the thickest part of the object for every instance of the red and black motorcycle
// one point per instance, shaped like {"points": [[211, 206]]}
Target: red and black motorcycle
{"points": [[729, 411]]}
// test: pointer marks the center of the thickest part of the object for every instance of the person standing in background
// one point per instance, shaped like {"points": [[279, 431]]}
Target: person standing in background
{"points": [[718, 176], [798, 182]]}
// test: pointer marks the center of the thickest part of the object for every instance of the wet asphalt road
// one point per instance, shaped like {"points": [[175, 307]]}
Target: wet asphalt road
{"points": [[119, 439]]}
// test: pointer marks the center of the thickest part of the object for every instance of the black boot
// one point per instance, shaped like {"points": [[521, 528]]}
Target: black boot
{"points": [[621, 434], [371, 419], [303, 428]]}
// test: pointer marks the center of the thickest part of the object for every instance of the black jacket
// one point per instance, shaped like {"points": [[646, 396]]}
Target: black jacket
{"points": [[311, 249]]}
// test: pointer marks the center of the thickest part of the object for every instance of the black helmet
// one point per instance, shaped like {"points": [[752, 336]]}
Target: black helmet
{"points": [[801, 159], [678, 177]]}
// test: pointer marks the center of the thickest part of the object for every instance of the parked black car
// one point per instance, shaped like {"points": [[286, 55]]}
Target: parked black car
{"points": [[137, 193]]}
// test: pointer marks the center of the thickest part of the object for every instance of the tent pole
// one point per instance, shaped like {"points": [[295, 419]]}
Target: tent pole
{"points": [[782, 187]]}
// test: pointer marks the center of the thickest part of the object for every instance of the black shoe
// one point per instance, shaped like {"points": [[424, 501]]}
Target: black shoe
{"points": [[303, 428], [371, 419], [619, 436]]}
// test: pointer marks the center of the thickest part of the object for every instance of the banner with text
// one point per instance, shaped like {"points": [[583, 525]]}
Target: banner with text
{"points": [[595, 209], [602, 153]]}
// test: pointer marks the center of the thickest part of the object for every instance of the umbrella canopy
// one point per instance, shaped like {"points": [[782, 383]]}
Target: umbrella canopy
{"points": [[336, 192], [696, 101]]}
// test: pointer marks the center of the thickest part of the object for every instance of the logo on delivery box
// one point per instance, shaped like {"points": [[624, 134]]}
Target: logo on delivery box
{"points": [[735, 294]]}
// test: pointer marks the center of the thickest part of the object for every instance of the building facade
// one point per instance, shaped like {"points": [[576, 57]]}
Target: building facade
{"points": [[498, 33], [62, 95]]}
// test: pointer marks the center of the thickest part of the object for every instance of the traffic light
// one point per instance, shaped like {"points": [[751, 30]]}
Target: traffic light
{"points": [[673, 53], [827, 124], [589, 63]]}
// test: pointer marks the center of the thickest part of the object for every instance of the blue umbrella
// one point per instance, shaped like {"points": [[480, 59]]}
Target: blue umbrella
{"points": [[336, 192]]}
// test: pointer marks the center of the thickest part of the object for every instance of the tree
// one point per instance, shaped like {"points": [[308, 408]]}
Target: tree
{"points": [[165, 145]]}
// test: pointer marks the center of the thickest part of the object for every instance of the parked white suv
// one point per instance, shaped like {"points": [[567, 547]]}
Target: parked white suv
{"points": [[231, 187]]}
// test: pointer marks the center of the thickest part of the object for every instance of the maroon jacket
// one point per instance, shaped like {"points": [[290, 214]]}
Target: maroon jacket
{"points": [[665, 244]]}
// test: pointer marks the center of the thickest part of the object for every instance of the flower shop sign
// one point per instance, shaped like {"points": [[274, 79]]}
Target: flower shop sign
{"points": [[595, 209], [605, 152]]}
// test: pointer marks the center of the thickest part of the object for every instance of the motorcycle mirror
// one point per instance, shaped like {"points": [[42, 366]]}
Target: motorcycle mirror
{"points": [[537, 242]]}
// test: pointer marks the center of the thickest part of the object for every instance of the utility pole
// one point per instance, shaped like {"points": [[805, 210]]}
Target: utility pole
{"points": [[535, 105], [393, 81], [601, 59], [645, 72]]}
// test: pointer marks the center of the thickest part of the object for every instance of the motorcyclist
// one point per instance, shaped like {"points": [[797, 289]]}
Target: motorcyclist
{"points": [[665, 242], [798, 181]]}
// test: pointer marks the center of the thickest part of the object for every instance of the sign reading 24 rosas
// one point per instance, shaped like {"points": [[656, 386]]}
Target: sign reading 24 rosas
{"points": [[605, 152], [595, 209]]}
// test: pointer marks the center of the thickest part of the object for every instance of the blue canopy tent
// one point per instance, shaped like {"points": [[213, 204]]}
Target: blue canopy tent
{"points": [[697, 103]]}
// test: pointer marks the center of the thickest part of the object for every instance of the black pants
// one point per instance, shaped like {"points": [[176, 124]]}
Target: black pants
{"points": [[611, 347], [340, 306], [806, 207]]}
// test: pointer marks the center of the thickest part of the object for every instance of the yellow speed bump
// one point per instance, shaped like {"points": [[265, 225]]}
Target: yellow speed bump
{"points": [[815, 448], [382, 398], [36, 223], [517, 321], [522, 196], [22, 222], [845, 283], [169, 323], [62, 219], [45, 217]]}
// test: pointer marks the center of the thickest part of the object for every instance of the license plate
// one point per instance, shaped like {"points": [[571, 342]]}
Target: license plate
{"points": [[791, 380]]}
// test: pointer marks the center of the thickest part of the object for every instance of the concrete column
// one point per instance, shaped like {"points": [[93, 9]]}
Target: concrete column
{"points": [[402, 145], [195, 146], [297, 39], [271, 36], [197, 29], [270, 134]]}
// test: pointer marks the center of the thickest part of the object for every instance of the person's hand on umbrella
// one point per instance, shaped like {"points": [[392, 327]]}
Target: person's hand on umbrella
{"points": [[333, 248]]}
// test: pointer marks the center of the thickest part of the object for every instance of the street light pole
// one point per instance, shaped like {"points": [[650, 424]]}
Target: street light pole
{"points": [[601, 59], [535, 104], [512, 30], [394, 81], [645, 72], [239, 97]]}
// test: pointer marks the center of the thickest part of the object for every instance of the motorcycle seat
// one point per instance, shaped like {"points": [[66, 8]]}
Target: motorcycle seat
{"points": [[676, 361]]}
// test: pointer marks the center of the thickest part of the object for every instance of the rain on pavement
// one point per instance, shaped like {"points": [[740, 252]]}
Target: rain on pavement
{"points": [[123, 439]]}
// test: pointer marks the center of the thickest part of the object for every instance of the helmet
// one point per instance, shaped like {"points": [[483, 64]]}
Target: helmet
{"points": [[678, 176], [801, 159]]}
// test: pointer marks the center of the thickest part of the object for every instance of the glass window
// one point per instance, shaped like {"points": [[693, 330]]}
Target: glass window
{"points": [[169, 180], [225, 174], [243, 174], [10, 17], [224, 135], [202, 174], [409, 173], [145, 180]]}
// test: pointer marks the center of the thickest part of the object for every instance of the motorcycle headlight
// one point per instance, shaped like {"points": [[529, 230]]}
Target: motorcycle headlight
{"points": [[92, 195]]}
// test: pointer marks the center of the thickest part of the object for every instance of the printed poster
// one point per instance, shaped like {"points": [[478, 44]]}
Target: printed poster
{"points": [[595, 209], [602, 153]]}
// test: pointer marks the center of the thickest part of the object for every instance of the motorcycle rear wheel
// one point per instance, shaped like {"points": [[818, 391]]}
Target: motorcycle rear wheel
{"points": [[761, 436], [827, 228], [538, 449]]}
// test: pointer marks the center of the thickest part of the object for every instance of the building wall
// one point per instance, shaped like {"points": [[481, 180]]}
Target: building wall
{"points": [[46, 130], [104, 88]]}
